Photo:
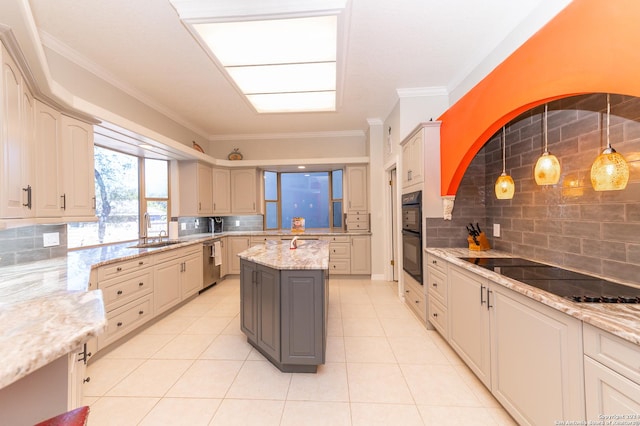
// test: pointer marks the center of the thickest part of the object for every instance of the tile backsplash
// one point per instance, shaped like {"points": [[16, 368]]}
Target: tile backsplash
{"points": [[569, 223], [198, 225], [25, 244]]}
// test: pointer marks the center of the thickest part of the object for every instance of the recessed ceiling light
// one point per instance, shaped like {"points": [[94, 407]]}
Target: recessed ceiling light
{"points": [[302, 167]]}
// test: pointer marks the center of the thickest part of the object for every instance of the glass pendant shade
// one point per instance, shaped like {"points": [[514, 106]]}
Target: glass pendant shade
{"points": [[505, 188], [610, 171], [547, 170]]}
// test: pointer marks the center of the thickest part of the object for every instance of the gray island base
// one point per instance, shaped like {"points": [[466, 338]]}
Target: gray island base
{"points": [[284, 300]]}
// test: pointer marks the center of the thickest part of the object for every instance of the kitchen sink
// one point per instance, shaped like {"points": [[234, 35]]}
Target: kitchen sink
{"points": [[155, 244]]}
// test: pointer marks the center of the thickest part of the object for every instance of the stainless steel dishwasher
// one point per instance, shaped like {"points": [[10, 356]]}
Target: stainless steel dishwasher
{"points": [[211, 272]]}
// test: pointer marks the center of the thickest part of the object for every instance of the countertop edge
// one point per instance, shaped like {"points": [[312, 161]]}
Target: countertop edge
{"points": [[617, 319]]}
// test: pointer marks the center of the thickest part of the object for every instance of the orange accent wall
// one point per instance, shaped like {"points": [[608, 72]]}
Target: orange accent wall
{"points": [[590, 46]]}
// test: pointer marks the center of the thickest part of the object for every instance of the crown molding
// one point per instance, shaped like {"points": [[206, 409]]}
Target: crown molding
{"points": [[298, 135]]}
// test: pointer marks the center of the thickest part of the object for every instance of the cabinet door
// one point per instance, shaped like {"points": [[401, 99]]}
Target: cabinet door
{"points": [[191, 278], [268, 284], [46, 192], [243, 191], [357, 188], [248, 301], [469, 322], [221, 191], [16, 139], [608, 392], [360, 254], [303, 321], [235, 246], [205, 189], [224, 265], [166, 285], [78, 168], [536, 360]]}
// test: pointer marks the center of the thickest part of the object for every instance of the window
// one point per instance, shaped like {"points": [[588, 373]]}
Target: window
{"points": [[315, 196], [119, 201]]}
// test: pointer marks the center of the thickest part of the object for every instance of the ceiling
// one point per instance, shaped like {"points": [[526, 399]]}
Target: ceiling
{"points": [[143, 48]]}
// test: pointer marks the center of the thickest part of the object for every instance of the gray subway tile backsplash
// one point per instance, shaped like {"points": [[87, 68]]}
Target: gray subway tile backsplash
{"points": [[25, 244], [568, 223]]}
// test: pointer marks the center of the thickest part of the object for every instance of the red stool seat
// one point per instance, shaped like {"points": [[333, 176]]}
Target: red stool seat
{"points": [[77, 417]]}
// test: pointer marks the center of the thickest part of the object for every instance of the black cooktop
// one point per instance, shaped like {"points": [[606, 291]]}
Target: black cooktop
{"points": [[571, 285]]}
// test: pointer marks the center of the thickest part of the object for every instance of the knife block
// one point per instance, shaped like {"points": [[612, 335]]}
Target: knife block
{"points": [[482, 240]]}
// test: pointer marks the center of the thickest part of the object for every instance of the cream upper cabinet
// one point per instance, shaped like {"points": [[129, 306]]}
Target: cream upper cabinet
{"points": [[221, 191], [412, 165], [244, 192], [196, 188], [78, 199], [357, 189], [16, 142], [421, 166], [47, 191]]}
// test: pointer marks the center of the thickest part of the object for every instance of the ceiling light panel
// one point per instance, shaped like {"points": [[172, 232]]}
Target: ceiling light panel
{"points": [[294, 102], [278, 41], [285, 78]]}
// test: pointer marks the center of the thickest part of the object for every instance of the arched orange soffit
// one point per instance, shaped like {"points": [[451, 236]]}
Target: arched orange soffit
{"points": [[590, 46]]}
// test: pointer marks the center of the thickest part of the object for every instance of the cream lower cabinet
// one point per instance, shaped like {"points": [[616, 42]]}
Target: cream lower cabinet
{"points": [[612, 377], [529, 355], [234, 246], [414, 296], [177, 276], [339, 255], [360, 255], [436, 285]]}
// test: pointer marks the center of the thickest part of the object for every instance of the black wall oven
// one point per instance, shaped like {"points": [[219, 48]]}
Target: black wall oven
{"points": [[412, 234]]}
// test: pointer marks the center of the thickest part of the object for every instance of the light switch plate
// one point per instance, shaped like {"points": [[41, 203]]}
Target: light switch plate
{"points": [[237, 223], [183, 226], [51, 239], [496, 230]]}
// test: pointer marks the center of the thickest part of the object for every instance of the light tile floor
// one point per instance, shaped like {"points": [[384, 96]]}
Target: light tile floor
{"points": [[195, 367]]}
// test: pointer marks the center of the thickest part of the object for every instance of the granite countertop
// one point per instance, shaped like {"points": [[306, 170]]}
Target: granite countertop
{"points": [[310, 254], [620, 319], [47, 309]]}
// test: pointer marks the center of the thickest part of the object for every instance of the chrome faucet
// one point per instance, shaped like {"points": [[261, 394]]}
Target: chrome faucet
{"points": [[146, 219], [162, 231]]}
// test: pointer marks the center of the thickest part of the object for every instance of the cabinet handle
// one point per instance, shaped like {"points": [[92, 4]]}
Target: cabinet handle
{"points": [[119, 324], [140, 284], [489, 305], [409, 174], [28, 191], [435, 315], [199, 206], [406, 291], [94, 202], [434, 285], [481, 295], [140, 312], [64, 201], [434, 262], [119, 269], [87, 380], [119, 292], [417, 301], [140, 263]]}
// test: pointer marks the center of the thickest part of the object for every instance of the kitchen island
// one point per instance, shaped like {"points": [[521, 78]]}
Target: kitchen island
{"points": [[284, 298]]}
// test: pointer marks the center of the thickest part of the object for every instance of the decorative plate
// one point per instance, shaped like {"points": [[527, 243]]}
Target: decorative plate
{"points": [[197, 147], [235, 155]]}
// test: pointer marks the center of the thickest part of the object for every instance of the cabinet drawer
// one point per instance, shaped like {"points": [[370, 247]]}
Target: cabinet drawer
{"points": [[340, 266], [415, 300], [172, 254], [338, 238], [263, 239], [122, 268], [339, 251], [355, 218], [436, 263], [437, 284], [438, 317], [358, 226], [118, 292], [125, 319], [612, 351]]}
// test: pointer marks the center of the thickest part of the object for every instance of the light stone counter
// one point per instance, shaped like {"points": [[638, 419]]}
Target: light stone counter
{"points": [[620, 319], [47, 312], [310, 254]]}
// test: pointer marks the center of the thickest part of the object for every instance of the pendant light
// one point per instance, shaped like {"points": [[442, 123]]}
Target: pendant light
{"points": [[547, 170], [504, 184], [610, 171]]}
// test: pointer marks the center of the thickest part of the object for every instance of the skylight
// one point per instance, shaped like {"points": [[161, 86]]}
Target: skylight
{"points": [[280, 65]]}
